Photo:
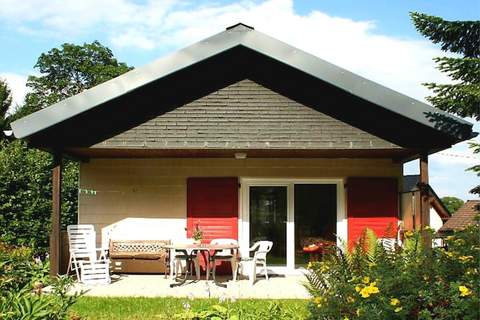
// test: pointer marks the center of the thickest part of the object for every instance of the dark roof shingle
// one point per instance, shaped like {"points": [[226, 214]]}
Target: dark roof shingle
{"points": [[245, 115]]}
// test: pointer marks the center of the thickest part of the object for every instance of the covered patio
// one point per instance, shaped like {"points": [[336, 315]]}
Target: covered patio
{"points": [[248, 138], [137, 285]]}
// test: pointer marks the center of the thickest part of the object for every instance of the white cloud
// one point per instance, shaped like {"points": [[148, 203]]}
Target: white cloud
{"points": [[17, 83], [401, 64]]}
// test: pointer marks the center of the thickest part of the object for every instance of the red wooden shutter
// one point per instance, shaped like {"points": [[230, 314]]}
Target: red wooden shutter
{"points": [[371, 203], [212, 203]]}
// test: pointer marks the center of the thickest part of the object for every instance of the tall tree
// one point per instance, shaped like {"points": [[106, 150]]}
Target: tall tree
{"points": [[462, 96], [25, 174], [452, 203], [5, 103], [67, 71]]}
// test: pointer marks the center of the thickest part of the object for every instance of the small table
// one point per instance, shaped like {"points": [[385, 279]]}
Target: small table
{"points": [[191, 250]]}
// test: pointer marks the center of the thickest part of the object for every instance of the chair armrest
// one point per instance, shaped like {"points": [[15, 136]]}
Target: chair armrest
{"points": [[255, 246]]}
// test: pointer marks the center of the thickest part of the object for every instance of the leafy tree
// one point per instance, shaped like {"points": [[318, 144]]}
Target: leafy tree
{"points": [[462, 96], [452, 203], [5, 103], [25, 173], [67, 71]]}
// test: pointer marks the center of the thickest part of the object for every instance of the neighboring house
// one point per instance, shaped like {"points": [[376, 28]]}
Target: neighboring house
{"points": [[462, 217], [410, 201], [248, 138]]}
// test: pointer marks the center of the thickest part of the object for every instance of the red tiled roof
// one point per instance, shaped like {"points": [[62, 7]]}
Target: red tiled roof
{"points": [[463, 216]]}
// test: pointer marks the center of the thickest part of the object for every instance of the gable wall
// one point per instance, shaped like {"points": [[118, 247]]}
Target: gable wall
{"points": [[249, 116]]}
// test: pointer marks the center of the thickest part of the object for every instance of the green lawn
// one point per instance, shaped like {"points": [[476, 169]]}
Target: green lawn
{"points": [[166, 308]]}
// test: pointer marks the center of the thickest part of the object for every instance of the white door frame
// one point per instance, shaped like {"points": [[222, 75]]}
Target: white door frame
{"points": [[244, 213]]}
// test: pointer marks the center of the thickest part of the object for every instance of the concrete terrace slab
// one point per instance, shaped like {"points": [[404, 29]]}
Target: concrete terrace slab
{"points": [[289, 287]]}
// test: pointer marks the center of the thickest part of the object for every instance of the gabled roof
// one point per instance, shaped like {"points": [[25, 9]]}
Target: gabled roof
{"points": [[462, 217], [235, 54]]}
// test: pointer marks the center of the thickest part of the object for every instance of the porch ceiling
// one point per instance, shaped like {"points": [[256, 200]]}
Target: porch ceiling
{"points": [[226, 58]]}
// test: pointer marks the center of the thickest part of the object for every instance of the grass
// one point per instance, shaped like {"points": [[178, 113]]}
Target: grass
{"points": [[165, 308]]}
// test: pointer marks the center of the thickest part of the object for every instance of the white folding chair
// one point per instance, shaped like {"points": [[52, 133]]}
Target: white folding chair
{"points": [[224, 255], [178, 260], [261, 249], [82, 247]]}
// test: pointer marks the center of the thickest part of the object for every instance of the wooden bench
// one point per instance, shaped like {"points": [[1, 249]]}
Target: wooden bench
{"points": [[139, 256]]}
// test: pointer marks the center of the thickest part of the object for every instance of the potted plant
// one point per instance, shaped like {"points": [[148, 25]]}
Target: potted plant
{"points": [[197, 234]]}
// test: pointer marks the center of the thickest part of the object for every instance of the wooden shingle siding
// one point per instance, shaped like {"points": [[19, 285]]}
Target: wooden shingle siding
{"points": [[245, 115]]}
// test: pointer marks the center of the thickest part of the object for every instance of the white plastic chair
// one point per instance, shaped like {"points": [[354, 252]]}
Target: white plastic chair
{"points": [[81, 243], [261, 248], [95, 272], [224, 255], [178, 260]]}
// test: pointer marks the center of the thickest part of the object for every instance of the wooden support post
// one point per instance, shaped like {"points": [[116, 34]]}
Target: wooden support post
{"points": [[424, 192], [56, 213], [424, 201]]}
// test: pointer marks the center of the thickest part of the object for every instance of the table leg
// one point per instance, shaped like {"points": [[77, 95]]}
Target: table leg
{"points": [[214, 269], [188, 261]]}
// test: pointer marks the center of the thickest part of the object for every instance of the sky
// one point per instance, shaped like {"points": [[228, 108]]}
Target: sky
{"points": [[373, 38]]}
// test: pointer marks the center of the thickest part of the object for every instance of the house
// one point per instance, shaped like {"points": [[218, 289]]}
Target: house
{"points": [[409, 202], [464, 216], [246, 137]]}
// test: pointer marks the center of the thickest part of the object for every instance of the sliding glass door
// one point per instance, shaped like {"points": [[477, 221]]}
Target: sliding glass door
{"points": [[290, 213], [268, 220], [315, 213]]}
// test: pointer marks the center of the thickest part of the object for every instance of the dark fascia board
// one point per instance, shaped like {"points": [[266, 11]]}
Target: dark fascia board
{"points": [[238, 36]]}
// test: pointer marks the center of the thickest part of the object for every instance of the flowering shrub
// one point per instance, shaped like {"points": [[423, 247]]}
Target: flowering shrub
{"points": [[25, 304], [22, 278], [19, 268], [409, 282]]}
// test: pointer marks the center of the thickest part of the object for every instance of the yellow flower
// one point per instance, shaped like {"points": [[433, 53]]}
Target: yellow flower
{"points": [[346, 318], [464, 291], [358, 288], [449, 238], [398, 309], [358, 312], [350, 300], [366, 280], [373, 289], [465, 259], [449, 254], [310, 265], [394, 302], [369, 290], [408, 234], [318, 300]]}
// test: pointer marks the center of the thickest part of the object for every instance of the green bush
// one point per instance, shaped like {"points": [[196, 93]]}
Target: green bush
{"points": [[236, 311], [26, 192], [27, 305], [22, 278], [409, 282], [19, 268]]}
